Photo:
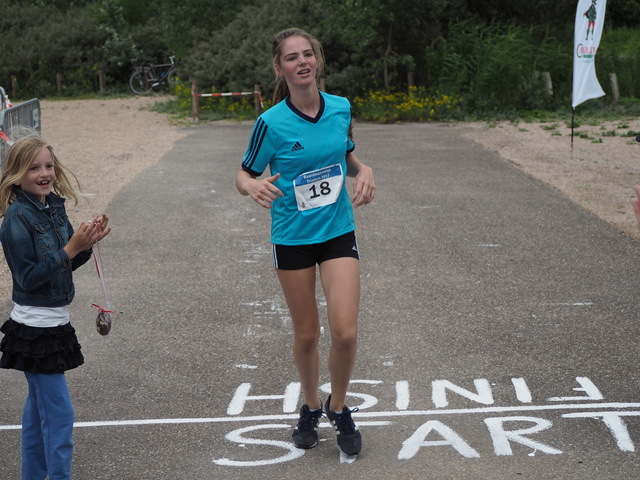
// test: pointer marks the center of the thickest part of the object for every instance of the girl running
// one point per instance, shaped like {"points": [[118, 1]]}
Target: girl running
{"points": [[305, 140]]}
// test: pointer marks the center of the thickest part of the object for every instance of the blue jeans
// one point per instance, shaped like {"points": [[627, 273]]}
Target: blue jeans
{"points": [[47, 428]]}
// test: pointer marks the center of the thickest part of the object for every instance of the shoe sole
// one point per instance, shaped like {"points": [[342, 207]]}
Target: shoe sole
{"points": [[305, 447]]}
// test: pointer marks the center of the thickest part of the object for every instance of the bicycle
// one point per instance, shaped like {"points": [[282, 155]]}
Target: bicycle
{"points": [[152, 75]]}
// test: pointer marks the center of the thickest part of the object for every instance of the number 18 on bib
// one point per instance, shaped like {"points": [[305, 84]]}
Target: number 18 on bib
{"points": [[318, 188]]}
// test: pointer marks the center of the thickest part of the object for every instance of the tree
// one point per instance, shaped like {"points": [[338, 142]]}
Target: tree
{"points": [[389, 35], [239, 55], [185, 21], [41, 41]]}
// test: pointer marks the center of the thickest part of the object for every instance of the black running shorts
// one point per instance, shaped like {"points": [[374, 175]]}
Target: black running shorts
{"points": [[297, 257]]}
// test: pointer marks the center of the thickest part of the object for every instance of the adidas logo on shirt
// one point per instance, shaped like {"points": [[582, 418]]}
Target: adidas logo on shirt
{"points": [[297, 147]]}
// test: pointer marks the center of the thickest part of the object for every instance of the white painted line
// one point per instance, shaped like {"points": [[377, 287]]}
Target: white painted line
{"points": [[178, 421], [524, 408], [569, 304], [363, 414]]}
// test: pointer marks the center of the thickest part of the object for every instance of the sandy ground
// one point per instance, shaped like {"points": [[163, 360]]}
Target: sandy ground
{"points": [[107, 142], [598, 172]]}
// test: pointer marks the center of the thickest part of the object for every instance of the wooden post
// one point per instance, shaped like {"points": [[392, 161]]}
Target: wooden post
{"points": [[101, 80], [548, 86], [615, 92], [410, 80], [257, 99], [323, 84], [59, 83], [14, 86], [195, 101]]}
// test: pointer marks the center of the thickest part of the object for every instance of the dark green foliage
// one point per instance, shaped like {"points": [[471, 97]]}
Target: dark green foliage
{"points": [[619, 52], [489, 54], [39, 42], [499, 65], [239, 55]]}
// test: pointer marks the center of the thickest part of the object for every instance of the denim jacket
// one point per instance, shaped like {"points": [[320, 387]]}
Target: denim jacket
{"points": [[33, 236]]}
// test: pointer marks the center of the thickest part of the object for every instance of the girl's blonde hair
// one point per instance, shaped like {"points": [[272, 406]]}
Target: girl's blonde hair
{"points": [[19, 158], [282, 89]]}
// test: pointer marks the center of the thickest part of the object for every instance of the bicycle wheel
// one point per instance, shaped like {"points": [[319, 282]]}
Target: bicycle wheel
{"points": [[139, 82], [171, 76]]}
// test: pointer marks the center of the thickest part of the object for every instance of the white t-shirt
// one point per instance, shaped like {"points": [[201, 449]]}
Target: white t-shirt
{"points": [[40, 317]]}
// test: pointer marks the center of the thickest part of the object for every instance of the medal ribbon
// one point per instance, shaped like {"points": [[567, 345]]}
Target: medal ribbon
{"points": [[105, 296]]}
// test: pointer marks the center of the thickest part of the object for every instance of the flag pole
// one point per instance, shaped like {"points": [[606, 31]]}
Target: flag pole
{"points": [[573, 116]]}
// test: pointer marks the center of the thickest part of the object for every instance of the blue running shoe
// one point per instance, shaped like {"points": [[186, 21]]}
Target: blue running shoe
{"points": [[305, 435], [347, 433]]}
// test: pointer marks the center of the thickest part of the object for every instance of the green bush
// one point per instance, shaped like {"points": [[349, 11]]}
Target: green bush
{"points": [[499, 67], [619, 53]]}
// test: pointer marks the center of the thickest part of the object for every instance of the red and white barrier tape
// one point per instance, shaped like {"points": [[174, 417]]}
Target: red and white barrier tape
{"points": [[229, 94]]}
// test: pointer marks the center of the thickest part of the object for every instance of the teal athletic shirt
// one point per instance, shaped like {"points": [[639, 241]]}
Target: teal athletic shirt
{"points": [[312, 152]]}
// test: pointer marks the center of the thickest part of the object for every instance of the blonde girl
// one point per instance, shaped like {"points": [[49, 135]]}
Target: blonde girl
{"points": [[41, 250]]}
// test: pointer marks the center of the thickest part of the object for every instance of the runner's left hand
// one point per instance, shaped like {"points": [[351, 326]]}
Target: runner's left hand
{"points": [[364, 187]]}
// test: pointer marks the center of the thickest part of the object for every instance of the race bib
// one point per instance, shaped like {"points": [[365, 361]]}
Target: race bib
{"points": [[318, 188]]}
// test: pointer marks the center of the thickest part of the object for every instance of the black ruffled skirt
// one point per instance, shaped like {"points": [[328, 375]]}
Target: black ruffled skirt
{"points": [[39, 350]]}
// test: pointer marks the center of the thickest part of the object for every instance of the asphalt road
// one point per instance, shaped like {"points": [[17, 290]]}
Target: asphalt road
{"points": [[499, 328]]}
